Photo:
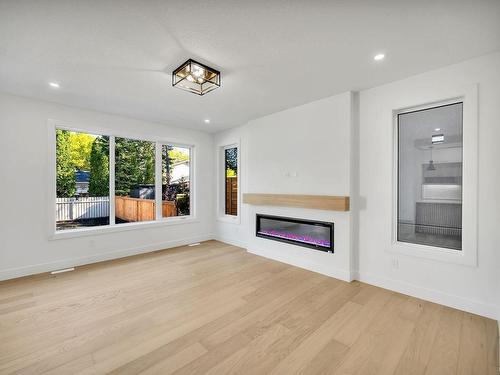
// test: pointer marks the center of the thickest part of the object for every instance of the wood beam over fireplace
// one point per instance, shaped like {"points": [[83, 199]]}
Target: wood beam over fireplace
{"points": [[318, 202]]}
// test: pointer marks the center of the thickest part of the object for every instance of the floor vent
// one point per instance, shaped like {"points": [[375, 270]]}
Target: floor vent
{"points": [[62, 271]]}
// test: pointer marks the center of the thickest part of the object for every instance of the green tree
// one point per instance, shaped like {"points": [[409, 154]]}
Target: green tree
{"points": [[182, 197], [135, 164], [176, 155], [170, 156], [80, 149], [99, 167], [65, 170], [231, 156]]}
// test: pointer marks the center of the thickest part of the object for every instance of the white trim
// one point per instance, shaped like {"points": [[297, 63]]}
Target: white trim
{"points": [[287, 258], [220, 173], [100, 130], [51, 178], [193, 201], [111, 158], [231, 241], [53, 234], [468, 254], [106, 229], [192, 178], [158, 181], [12, 273], [432, 295]]}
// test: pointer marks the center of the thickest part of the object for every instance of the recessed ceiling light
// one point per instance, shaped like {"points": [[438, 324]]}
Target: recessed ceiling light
{"points": [[437, 129], [207, 121], [378, 57], [54, 85]]}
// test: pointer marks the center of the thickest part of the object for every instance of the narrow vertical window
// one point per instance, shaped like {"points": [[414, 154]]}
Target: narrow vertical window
{"points": [[429, 202], [231, 180], [134, 180], [82, 180], [176, 181]]}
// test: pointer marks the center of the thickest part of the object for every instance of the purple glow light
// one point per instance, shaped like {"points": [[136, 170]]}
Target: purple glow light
{"points": [[296, 237]]}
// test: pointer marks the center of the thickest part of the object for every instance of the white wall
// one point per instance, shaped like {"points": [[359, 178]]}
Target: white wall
{"points": [[470, 288], [362, 168], [25, 247], [321, 142], [303, 150]]}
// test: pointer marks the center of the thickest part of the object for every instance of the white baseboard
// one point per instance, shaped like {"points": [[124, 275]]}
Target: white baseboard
{"points": [[231, 241], [432, 295], [301, 263], [12, 273], [469, 305]]}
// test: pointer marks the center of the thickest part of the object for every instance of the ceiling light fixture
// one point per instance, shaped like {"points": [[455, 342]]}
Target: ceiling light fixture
{"points": [[437, 129], [195, 77], [54, 85], [207, 121], [431, 166], [379, 57], [437, 138]]}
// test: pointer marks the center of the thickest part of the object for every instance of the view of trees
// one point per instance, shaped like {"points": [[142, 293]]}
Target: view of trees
{"points": [[179, 191], [231, 156], [80, 148], [135, 164], [99, 167], [81, 151], [65, 169]]}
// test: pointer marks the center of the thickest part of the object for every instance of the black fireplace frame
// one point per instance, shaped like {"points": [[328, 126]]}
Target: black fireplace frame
{"points": [[325, 224]]}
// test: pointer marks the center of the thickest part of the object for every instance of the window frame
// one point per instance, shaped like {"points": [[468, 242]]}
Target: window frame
{"points": [[221, 183], [54, 234], [158, 181], [468, 254]]}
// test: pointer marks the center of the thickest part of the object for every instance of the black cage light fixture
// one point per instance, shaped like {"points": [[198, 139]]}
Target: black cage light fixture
{"points": [[196, 77]]}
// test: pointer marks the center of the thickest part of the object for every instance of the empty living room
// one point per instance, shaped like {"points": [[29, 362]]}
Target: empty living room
{"points": [[250, 187]]}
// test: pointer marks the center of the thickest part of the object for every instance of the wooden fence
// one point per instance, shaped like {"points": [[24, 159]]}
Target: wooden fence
{"points": [[126, 208], [68, 209], [168, 209], [135, 209], [232, 195]]}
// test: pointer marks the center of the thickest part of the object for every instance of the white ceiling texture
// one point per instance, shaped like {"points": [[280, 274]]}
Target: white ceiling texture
{"points": [[117, 56]]}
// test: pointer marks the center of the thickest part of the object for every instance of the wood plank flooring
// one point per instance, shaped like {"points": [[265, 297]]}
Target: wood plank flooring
{"points": [[215, 309]]}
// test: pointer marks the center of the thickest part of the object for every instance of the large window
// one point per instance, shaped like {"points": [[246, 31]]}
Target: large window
{"points": [[231, 181], [134, 180], [429, 201], [82, 180], [176, 166], [105, 180]]}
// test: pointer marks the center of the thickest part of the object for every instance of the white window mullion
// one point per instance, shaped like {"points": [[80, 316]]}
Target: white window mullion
{"points": [[111, 180], [158, 181]]}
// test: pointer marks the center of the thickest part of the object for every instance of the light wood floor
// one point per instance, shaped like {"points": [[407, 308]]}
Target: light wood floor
{"points": [[215, 309]]}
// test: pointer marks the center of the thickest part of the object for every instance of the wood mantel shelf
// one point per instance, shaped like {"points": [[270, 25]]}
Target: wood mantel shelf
{"points": [[318, 202]]}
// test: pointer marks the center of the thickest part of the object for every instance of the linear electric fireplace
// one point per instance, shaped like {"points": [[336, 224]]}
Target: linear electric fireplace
{"points": [[308, 233]]}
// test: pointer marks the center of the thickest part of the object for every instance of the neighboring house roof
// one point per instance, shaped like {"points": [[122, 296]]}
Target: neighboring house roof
{"points": [[179, 170], [82, 176]]}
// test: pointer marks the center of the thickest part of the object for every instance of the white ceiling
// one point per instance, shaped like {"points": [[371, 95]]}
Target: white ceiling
{"points": [[116, 56]]}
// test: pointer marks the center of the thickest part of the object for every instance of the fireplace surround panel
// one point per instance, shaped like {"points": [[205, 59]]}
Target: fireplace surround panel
{"points": [[308, 233]]}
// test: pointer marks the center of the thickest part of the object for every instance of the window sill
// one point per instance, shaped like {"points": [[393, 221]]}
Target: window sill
{"points": [[434, 253], [95, 231]]}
